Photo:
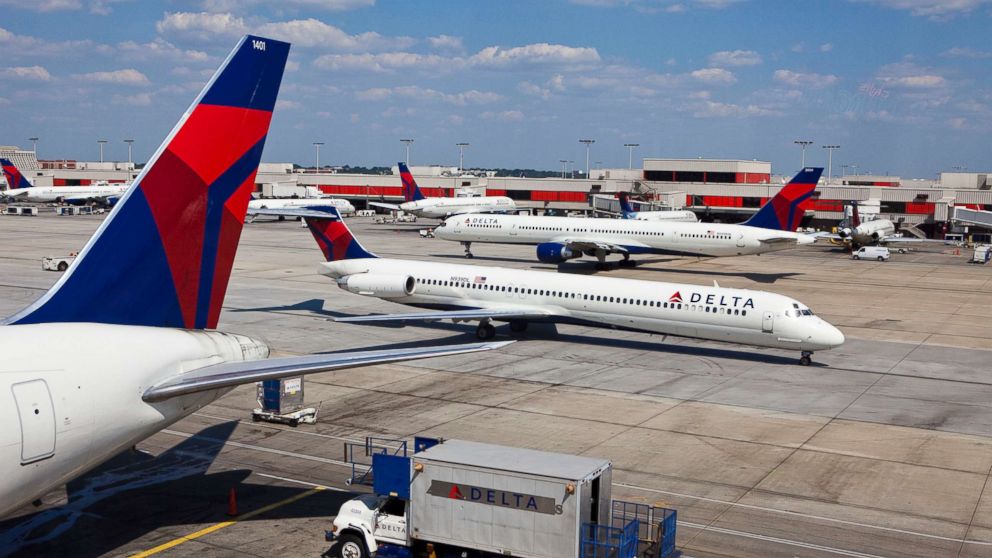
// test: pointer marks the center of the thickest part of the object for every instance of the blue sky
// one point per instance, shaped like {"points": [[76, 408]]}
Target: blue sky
{"points": [[902, 85]]}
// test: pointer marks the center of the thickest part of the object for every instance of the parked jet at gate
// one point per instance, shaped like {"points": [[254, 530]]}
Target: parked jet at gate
{"points": [[439, 208], [118, 348], [466, 293], [559, 239], [869, 233], [262, 207], [19, 188], [627, 212]]}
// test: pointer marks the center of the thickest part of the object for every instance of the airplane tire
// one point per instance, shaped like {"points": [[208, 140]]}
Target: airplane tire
{"points": [[485, 332], [805, 360], [63, 266], [468, 255], [518, 326]]}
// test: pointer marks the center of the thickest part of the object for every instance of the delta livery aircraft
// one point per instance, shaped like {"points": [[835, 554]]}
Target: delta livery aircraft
{"points": [[19, 188], [627, 212], [467, 293], [119, 348], [439, 208], [262, 207], [869, 233], [559, 239]]}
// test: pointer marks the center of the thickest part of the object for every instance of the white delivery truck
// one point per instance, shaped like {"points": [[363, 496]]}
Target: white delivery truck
{"points": [[982, 254], [459, 498], [879, 253]]}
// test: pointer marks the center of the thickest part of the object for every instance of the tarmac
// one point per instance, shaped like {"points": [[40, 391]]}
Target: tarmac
{"points": [[882, 448]]}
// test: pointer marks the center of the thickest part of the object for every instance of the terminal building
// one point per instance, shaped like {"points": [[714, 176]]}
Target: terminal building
{"points": [[716, 189]]}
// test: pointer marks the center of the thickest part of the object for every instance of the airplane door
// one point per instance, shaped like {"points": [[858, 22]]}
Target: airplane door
{"points": [[37, 415], [513, 229], [740, 240], [767, 322]]}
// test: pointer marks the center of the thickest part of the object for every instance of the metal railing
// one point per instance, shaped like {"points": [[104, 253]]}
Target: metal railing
{"points": [[359, 455]]}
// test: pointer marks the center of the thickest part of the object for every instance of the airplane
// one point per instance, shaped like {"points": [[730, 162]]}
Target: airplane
{"points": [[261, 206], [868, 233], [462, 292], [124, 344], [19, 188], [559, 239], [439, 208], [627, 212]]}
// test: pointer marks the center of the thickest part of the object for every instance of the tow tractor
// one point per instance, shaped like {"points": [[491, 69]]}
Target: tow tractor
{"points": [[458, 498]]}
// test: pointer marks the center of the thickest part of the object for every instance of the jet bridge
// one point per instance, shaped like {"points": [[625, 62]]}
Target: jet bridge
{"points": [[972, 217]]}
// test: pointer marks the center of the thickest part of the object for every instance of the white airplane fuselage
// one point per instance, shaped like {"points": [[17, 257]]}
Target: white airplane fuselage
{"points": [[49, 194], [869, 232], [70, 399], [440, 208], [637, 237], [715, 313], [344, 207]]}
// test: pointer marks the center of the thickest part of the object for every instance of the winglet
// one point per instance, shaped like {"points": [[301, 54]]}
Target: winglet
{"points": [[333, 236], [411, 192], [15, 180], [785, 211], [164, 255]]}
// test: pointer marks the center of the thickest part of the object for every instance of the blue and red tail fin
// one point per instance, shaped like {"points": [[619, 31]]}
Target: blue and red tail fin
{"points": [[13, 176], [411, 192], [626, 210], [164, 255], [785, 211], [334, 237]]}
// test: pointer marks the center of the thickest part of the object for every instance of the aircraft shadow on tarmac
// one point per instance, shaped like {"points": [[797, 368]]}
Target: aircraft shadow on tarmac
{"points": [[547, 332], [136, 493]]}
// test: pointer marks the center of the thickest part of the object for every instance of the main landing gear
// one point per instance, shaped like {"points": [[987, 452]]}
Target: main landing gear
{"points": [[468, 249], [806, 359], [485, 331], [626, 261]]}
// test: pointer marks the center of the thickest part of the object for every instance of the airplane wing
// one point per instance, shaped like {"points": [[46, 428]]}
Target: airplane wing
{"points": [[587, 244], [898, 239], [469, 314], [828, 236], [779, 240], [386, 205], [231, 374]]}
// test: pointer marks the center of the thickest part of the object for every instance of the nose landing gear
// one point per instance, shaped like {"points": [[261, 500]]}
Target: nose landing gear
{"points": [[468, 249], [806, 359]]}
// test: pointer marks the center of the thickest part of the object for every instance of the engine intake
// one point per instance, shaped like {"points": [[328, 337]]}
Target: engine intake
{"points": [[554, 252], [385, 286]]}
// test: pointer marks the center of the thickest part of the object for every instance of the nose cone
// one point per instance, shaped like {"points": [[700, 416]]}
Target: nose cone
{"points": [[829, 336]]}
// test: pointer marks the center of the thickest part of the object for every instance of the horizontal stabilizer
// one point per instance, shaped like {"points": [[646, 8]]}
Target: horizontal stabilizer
{"points": [[386, 205], [292, 212], [473, 314], [231, 374]]}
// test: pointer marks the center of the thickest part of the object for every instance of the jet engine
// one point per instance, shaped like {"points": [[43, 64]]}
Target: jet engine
{"points": [[385, 286], [554, 252]]}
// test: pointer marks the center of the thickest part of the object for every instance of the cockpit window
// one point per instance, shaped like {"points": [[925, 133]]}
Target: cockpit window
{"points": [[807, 312]]}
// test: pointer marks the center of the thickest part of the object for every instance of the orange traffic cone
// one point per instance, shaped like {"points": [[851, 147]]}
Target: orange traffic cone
{"points": [[232, 503]]}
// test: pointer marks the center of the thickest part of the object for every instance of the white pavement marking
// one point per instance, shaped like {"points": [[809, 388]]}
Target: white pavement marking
{"points": [[264, 449], [805, 515], [789, 542]]}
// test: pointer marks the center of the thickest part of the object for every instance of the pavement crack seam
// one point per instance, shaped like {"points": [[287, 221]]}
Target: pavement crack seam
{"points": [[974, 513]]}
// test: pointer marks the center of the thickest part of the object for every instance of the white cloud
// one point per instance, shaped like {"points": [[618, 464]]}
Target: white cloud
{"points": [[826, 47], [43, 5], [800, 79], [315, 33], [447, 43], [385, 62], [30, 73], [285, 104], [713, 109], [910, 76], [735, 58], [966, 52], [923, 81], [202, 26], [329, 5], [716, 76], [157, 48], [539, 53], [528, 88], [505, 116], [934, 9], [129, 76], [137, 100], [471, 97]]}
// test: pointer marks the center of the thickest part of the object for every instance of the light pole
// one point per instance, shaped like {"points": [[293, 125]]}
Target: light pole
{"points": [[563, 162], [843, 169], [630, 154], [571, 168], [588, 142], [407, 142], [855, 171], [129, 143], [34, 143], [830, 160], [803, 144], [102, 143], [316, 148], [461, 153]]}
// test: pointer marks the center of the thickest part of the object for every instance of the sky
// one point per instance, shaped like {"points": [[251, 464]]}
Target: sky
{"points": [[901, 85]]}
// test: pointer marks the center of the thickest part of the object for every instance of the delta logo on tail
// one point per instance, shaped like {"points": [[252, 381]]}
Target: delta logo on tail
{"points": [[410, 190], [13, 176], [333, 237], [785, 211], [200, 179]]}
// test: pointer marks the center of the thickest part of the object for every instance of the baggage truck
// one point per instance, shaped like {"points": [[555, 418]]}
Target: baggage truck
{"points": [[460, 498]]}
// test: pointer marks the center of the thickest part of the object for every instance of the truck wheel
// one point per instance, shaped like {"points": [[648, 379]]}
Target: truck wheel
{"points": [[351, 547], [881, 259], [63, 266], [857, 257]]}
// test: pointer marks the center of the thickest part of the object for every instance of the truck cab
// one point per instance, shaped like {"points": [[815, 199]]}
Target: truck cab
{"points": [[366, 522]]}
